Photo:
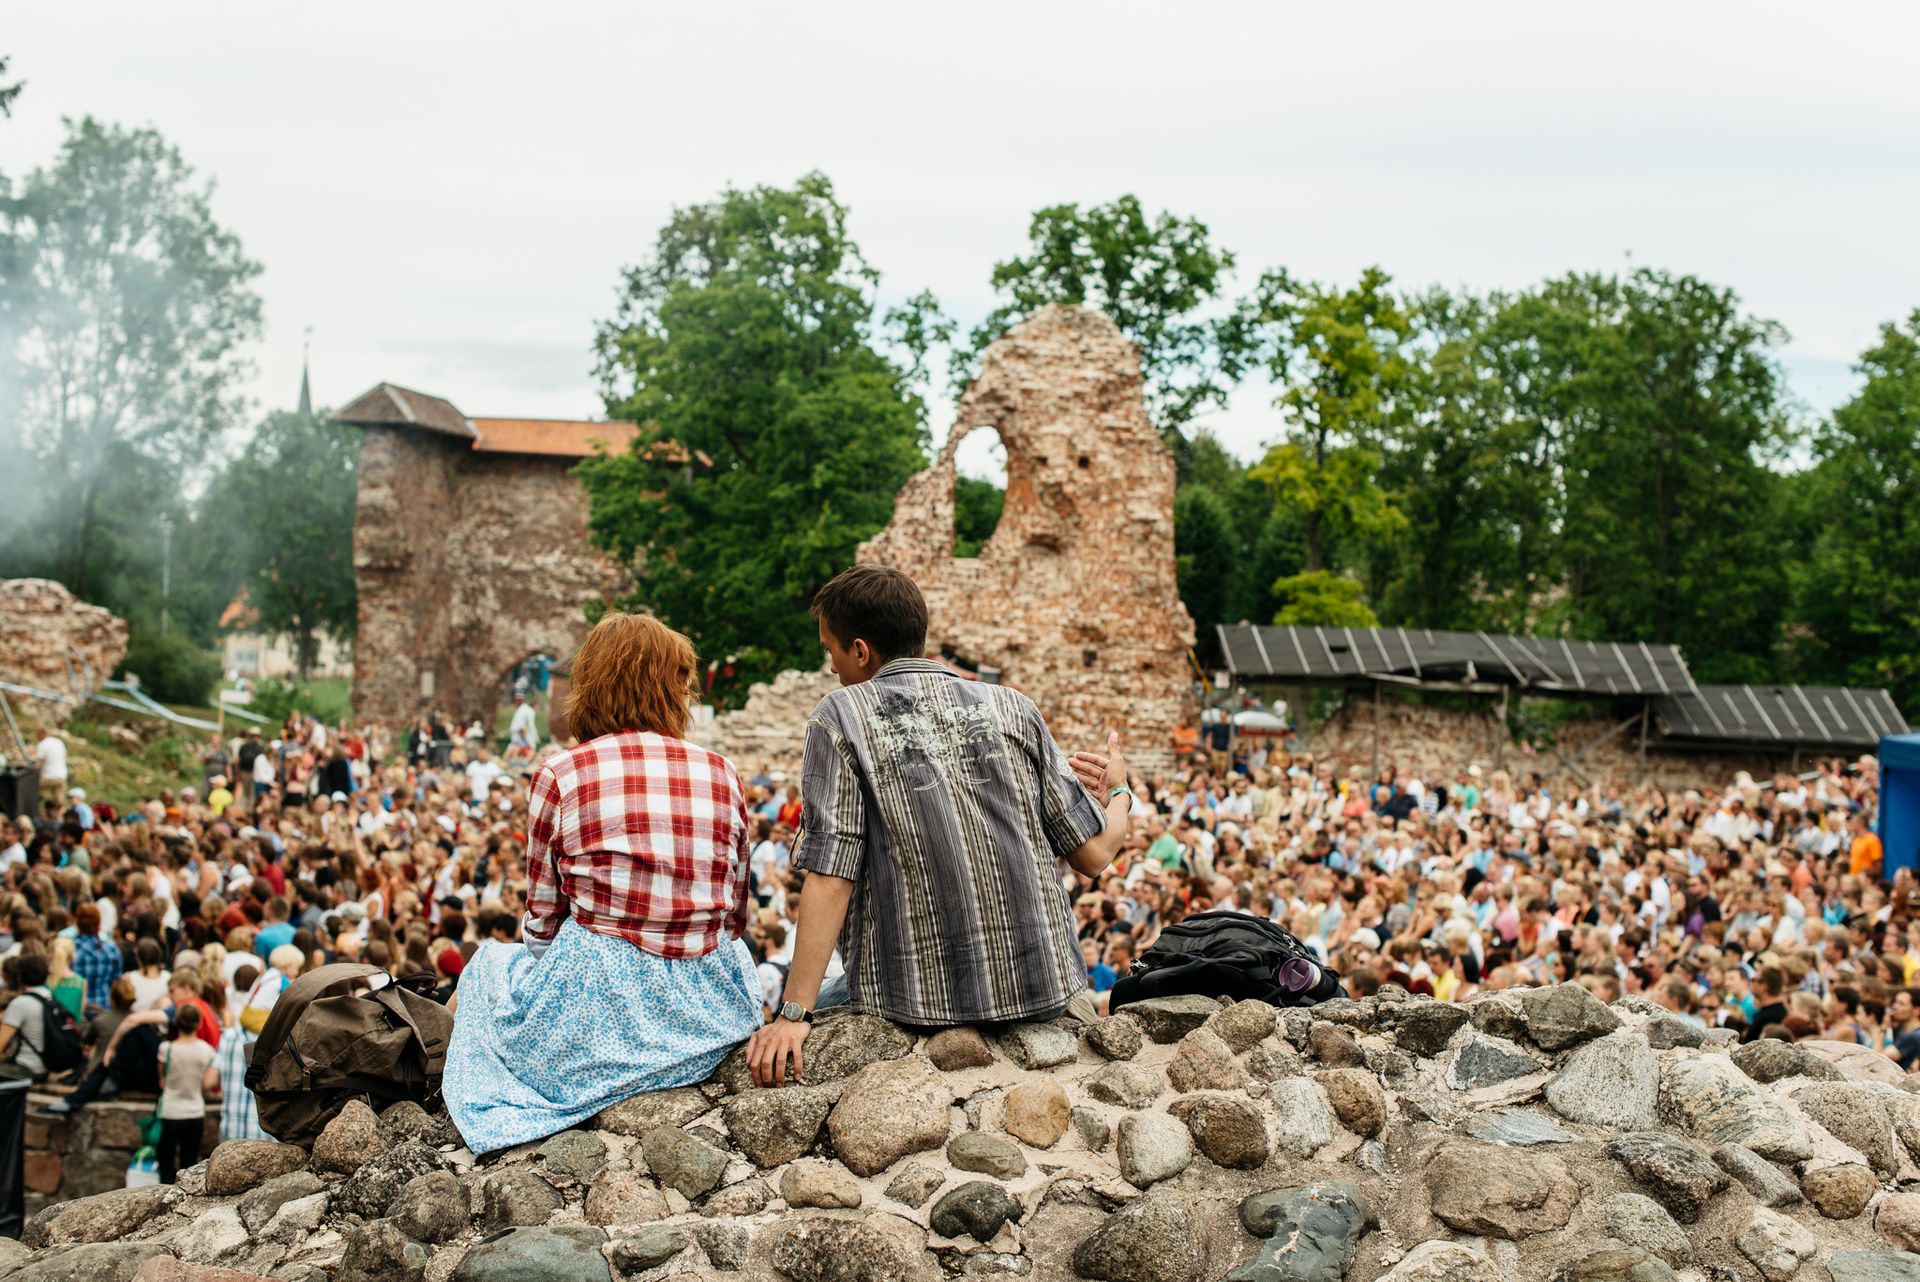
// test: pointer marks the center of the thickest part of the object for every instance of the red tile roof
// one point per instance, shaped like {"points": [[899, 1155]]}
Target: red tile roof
{"points": [[562, 438]]}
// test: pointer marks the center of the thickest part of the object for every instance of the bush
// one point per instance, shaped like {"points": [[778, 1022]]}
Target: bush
{"points": [[171, 668], [274, 697]]}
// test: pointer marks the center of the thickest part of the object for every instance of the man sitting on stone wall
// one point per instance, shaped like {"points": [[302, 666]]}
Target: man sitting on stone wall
{"points": [[935, 808]]}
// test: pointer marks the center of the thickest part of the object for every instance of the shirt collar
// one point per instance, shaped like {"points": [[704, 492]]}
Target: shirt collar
{"points": [[893, 667]]}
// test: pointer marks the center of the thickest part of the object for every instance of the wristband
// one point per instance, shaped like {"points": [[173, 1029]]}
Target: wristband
{"points": [[1117, 791]]}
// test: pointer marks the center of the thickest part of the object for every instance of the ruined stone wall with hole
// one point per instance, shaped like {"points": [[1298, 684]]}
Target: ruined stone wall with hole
{"points": [[466, 565], [1073, 597], [51, 640]]}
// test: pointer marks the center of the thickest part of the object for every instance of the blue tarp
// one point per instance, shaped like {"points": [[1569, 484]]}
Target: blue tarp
{"points": [[1900, 801]]}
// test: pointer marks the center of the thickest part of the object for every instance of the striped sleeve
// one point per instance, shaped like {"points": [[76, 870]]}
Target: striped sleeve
{"points": [[546, 901], [1069, 815], [833, 810]]}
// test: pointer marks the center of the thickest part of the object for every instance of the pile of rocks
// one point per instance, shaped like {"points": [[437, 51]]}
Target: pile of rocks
{"points": [[1529, 1134], [52, 640], [771, 727]]}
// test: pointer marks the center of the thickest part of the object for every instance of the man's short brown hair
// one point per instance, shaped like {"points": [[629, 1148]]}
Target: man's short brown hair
{"points": [[876, 604], [633, 672]]}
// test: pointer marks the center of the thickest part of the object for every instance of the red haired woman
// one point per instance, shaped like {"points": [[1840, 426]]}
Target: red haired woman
{"points": [[633, 976]]}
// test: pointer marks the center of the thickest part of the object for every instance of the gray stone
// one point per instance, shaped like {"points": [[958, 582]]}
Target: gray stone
{"points": [[1124, 1085], [104, 1217], [1440, 1261], [1274, 1059], [839, 1046], [1243, 1025], [1664, 1033], [1167, 1019], [975, 1209], [1842, 1266], [1499, 1013], [725, 1245], [818, 1249], [887, 1111], [819, 1184], [1310, 1233], [773, 1127], [1718, 1104], [210, 1236], [1769, 1185], [560, 1253], [1565, 1015], [1302, 1120], [1858, 1116], [681, 1161], [1839, 1192], [513, 1196], [1371, 1156], [1768, 1059], [1115, 1037], [1037, 1046], [638, 1114], [1500, 1192], [624, 1198], [1679, 1177], [349, 1141], [1425, 1028], [380, 1252], [1151, 1148], [258, 1207], [1357, 1099], [985, 1154], [748, 1197], [370, 1191], [433, 1208], [1518, 1129], [997, 1264], [1334, 1046], [953, 1049], [1203, 1062], [406, 1120], [1230, 1131], [576, 1155], [1091, 1126], [1149, 1240], [239, 1165], [1777, 1245], [1038, 1112], [89, 1262], [914, 1185], [1643, 1222], [1611, 1081], [1615, 1264], [649, 1248], [1485, 1061]]}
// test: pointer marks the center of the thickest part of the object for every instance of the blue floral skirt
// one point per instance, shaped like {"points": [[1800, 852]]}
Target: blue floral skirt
{"points": [[541, 1044]]}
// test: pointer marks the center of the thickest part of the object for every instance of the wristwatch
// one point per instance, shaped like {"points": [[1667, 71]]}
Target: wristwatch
{"points": [[797, 1013]]}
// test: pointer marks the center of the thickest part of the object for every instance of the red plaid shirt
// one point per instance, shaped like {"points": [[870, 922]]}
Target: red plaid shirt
{"points": [[639, 836]]}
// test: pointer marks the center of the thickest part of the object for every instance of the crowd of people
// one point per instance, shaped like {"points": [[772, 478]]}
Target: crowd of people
{"points": [[166, 931]]}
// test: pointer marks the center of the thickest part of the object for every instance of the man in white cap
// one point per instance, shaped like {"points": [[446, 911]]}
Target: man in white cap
{"points": [[81, 811]]}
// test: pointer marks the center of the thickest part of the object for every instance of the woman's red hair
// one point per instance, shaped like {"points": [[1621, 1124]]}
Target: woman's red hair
{"points": [[632, 673]]}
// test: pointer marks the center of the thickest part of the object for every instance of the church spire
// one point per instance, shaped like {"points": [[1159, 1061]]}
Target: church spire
{"points": [[306, 394]]}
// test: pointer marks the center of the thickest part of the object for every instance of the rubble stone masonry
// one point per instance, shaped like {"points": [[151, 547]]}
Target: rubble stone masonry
{"points": [[51, 640]]}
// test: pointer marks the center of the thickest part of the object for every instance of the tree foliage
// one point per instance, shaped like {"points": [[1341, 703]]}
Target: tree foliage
{"points": [[774, 432], [1154, 276], [977, 505]]}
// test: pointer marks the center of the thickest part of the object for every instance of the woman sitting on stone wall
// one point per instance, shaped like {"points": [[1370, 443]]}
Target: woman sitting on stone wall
{"points": [[633, 976]]}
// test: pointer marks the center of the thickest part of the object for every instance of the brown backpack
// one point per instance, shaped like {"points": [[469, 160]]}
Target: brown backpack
{"points": [[325, 1044]]}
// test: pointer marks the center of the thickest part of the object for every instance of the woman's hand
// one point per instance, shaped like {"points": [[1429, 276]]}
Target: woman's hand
{"points": [[770, 1049]]}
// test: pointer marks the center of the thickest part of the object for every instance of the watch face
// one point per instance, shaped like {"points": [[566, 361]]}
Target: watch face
{"points": [[794, 1011]]}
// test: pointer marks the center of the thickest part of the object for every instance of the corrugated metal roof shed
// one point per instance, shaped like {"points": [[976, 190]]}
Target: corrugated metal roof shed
{"points": [[1802, 716]]}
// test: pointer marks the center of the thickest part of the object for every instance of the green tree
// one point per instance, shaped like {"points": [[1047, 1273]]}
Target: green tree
{"points": [[1667, 407], [129, 307], [1152, 276], [1321, 597], [1206, 548], [8, 92], [294, 490], [977, 505], [1855, 617], [774, 432], [1338, 357]]}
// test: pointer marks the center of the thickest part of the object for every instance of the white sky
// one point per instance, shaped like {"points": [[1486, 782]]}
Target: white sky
{"points": [[446, 193]]}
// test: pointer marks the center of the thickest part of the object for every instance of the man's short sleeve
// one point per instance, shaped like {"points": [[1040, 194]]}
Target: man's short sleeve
{"points": [[19, 1010], [833, 808], [1070, 816]]}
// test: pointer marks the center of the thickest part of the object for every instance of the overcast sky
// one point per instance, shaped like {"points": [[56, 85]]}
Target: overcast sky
{"points": [[446, 193]]}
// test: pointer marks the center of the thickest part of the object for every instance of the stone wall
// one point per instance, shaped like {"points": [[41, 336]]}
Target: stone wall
{"points": [[52, 640], [467, 563], [1531, 1134], [1073, 597], [78, 1156], [770, 728]]}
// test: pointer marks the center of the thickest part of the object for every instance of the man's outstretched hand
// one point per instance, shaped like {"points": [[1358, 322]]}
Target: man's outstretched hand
{"points": [[775, 1051], [1101, 773]]}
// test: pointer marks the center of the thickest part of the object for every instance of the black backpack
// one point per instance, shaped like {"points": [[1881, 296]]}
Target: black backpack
{"points": [[62, 1049], [1228, 954], [329, 1039]]}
